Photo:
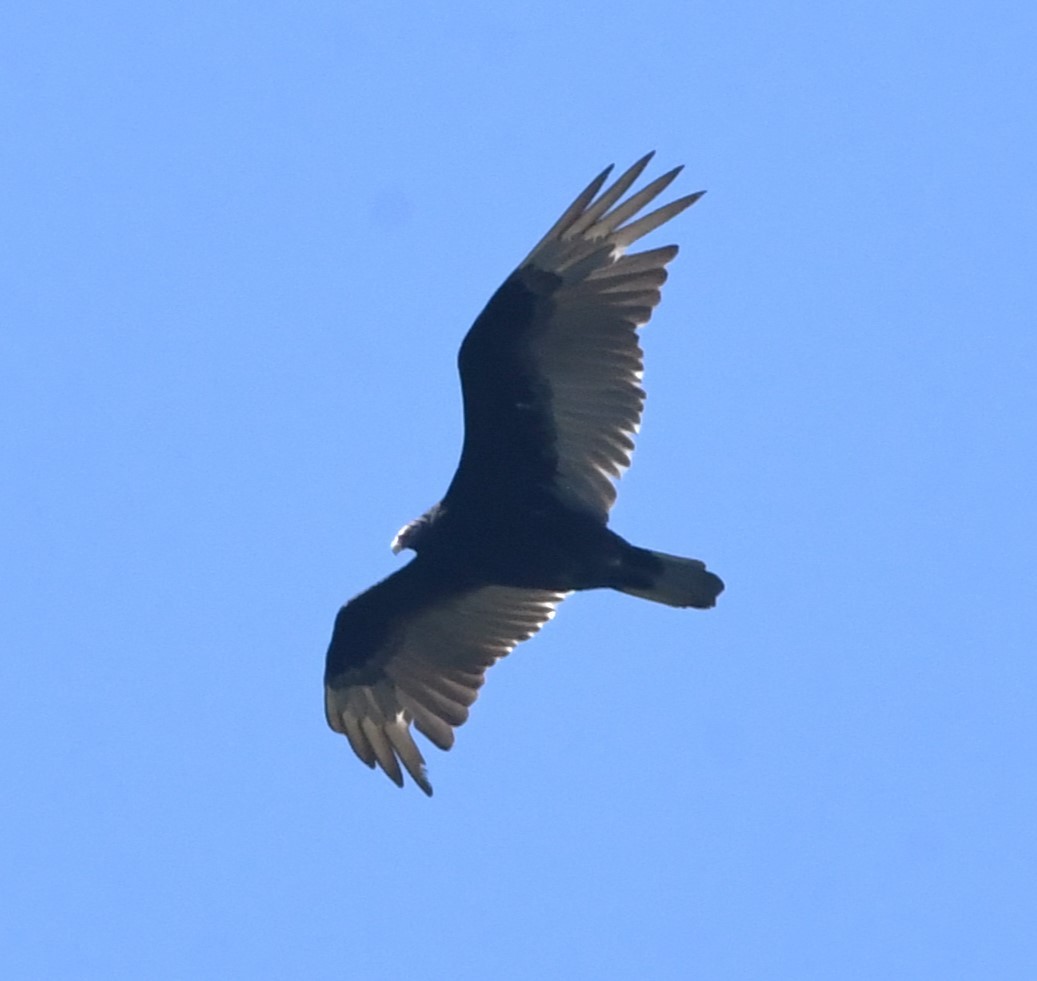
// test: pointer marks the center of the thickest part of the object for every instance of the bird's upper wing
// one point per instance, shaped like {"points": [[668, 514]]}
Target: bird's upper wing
{"points": [[551, 370], [415, 648]]}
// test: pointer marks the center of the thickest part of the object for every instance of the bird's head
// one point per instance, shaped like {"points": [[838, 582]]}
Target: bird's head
{"points": [[411, 534]]}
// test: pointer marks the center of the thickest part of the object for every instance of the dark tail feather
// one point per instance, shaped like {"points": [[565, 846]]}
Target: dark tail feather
{"points": [[674, 581]]}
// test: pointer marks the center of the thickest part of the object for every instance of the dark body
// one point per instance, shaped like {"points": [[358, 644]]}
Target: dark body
{"points": [[503, 520]]}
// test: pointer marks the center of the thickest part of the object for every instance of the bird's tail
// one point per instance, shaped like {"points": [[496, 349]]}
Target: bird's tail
{"points": [[674, 580]]}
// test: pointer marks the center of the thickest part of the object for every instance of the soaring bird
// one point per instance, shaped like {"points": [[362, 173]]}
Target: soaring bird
{"points": [[551, 379]]}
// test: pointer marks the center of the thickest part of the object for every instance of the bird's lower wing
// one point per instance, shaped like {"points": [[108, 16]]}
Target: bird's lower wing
{"points": [[392, 664]]}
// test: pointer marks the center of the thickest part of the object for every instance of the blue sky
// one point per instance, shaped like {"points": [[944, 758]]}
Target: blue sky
{"points": [[242, 243]]}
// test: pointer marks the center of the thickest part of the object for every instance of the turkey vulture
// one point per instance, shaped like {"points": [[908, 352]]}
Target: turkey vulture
{"points": [[551, 380]]}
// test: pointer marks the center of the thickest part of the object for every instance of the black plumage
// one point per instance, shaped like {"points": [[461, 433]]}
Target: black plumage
{"points": [[551, 379]]}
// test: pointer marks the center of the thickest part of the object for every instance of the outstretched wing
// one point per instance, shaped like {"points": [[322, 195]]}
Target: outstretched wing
{"points": [[415, 649], [551, 370]]}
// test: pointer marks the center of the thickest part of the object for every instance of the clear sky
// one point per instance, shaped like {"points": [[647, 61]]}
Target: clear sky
{"points": [[241, 245]]}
